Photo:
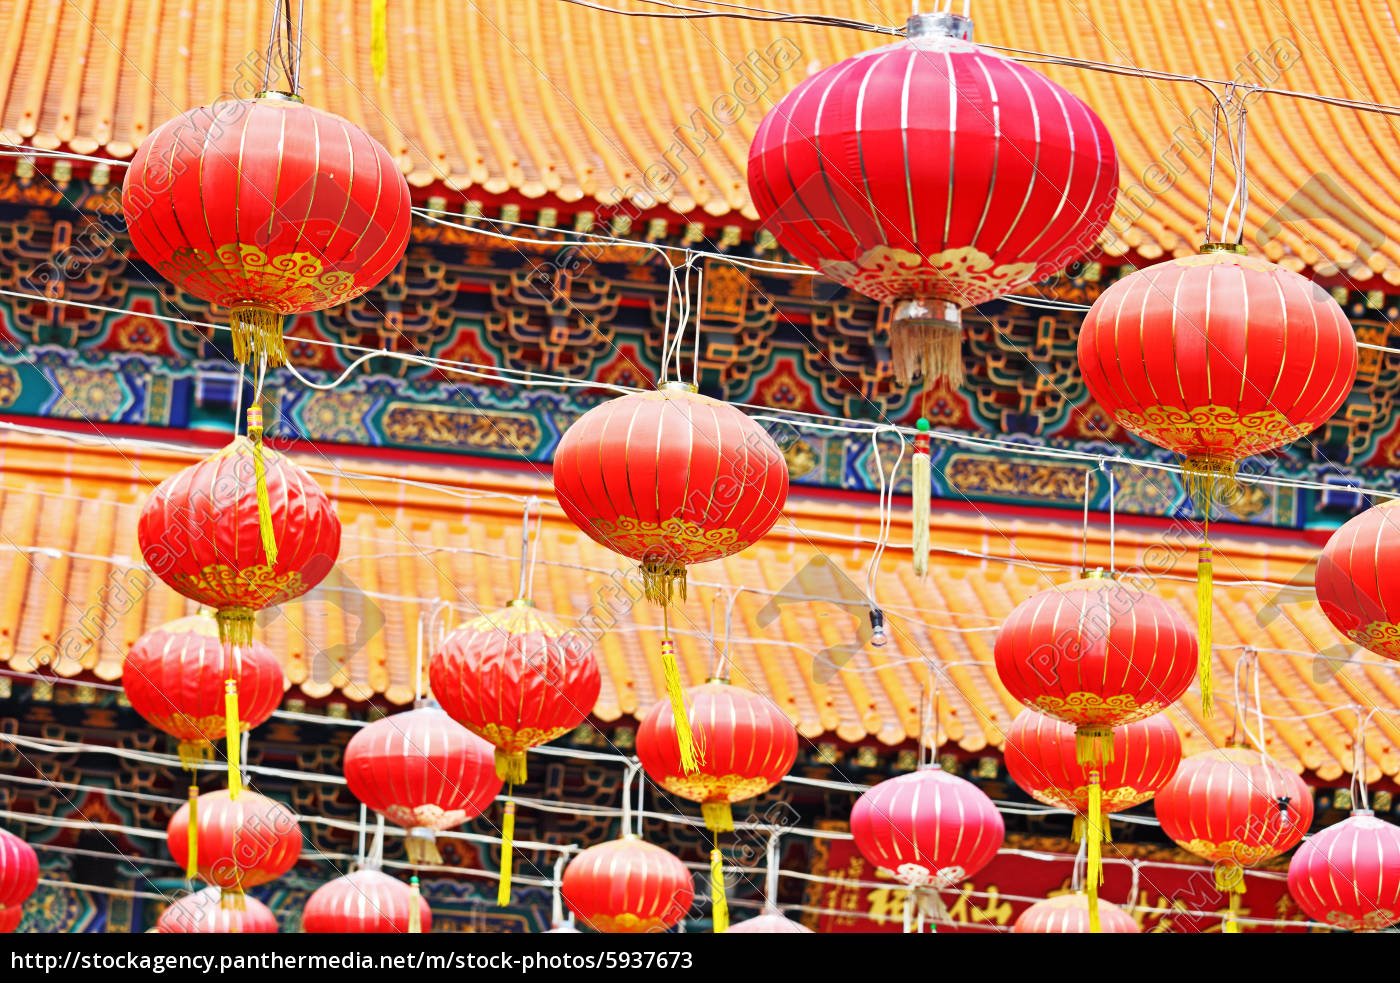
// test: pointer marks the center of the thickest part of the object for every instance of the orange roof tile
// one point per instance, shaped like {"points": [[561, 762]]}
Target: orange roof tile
{"points": [[69, 512], [539, 97]]}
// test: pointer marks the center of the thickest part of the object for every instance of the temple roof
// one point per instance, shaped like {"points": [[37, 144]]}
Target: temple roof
{"points": [[540, 99], [72, 584]]}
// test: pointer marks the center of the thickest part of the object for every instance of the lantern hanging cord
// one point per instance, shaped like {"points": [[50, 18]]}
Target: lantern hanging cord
{"points": [[1359, 760], [529, 547], [886, 507], [1240, 196], [284, 44], [728, 595]]}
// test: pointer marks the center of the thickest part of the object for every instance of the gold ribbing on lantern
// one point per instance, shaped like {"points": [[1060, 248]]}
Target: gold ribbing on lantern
{"points": [[507, 838], [257, 336], [255, 435]]}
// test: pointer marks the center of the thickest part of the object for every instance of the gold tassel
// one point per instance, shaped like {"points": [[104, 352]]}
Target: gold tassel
{"points": [[192, 844], [1207, 478], [663, 582], [1229, 879], [1205, 585], [232, 733], [421, 846], [193, 752], [231, 899], [1077, 832], [269, 537], [1095, 856], [415, 915], [257, 336], [1232, 923], [719, 907], [684, 738], [1093, 745], [719, 818], [379, 38], [926, 339], [507, 835], [510, 766], [922, 493], [235, 625]]}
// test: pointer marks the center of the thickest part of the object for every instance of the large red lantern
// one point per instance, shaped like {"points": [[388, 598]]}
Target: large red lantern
{"points": [[1348, 875], [175, 677], [1041, 757], [935, 175], [1068, 914], [1236, 809], [19, 876], [1358, 580], [670, 478], [424, 771], [516, 678], [242, 842], [366, 902], [267, 207], [1217, 357], [627, 885], [204, 913]]}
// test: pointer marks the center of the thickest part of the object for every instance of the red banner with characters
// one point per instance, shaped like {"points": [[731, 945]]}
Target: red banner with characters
{"points": [[1167, 896]]}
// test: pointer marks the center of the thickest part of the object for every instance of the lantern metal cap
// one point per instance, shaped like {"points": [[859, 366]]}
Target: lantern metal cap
{"points": [[941, 24], [680, 387], [521, 602], [1363, 812], [278, 96], [1224, 247]]}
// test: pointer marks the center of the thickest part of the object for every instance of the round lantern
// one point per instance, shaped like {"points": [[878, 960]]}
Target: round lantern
{"points": [[517, 679], [1041, 757], [1068, 914], [366, 902], [934, 175], [424, 771], [175, 677], [1348, 875], [10, 918], [670, 478], [1235, 809], [204, 913], [19, 874], [627, 885], [1217, 357], [242, 842], [928, 828], [1358, 580], [267, 207], [201, 533], [771, 922]]}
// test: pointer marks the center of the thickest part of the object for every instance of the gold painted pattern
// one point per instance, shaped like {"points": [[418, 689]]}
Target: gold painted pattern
{"points": [[1372, 921], [241, 273], [716, 788], [1381, 637], [1089, 709], [1114, 799], [430, 816], [1212, 431], [964, 276], [514, 741], [1231, 852], [258, 586], [640, 538], [626, 923]]}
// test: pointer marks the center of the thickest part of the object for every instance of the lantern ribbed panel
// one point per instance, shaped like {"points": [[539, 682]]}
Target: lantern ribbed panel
{"points": [[1348, 875], [1358, 579], [421, 768], [746, 744], [1217, 356], [1069, 914], [174, 677], [627, 885], [364, 902], [202, 913], [19, 870], [1041, 757], [927, 827], [1096, 653], [243, 842]]}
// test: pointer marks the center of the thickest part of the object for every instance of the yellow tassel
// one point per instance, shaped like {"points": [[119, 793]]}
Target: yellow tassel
{"points": [[719, 907], [379, 38], [193, 752], [257, 336], [1093, 745], [235, 625], [1232, 923], [415, 915], [231, 899], [510, 766], [926, 339], [1093, 850], [663, 582], [233, 732], [1205, 582], [269, 537], [1077, 833], [719, 818], [507, 835], [921, 492], [421, 846], [689, 760], [192, 845]]}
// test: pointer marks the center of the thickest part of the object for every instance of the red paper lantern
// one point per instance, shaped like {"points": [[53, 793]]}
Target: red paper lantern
{"points": [[517, 679], [927, 828], [242, 842], [200, 533], [175, 678], [424, 771], [1358, 580], [1235, 809], [365, 902], [10, 918], [1348, 875], [746, 746], [935, 175], [1068, 914], [268, 207], [19, 871], [1041, 757], [204, 913], [771, 922], [627, 885]]}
